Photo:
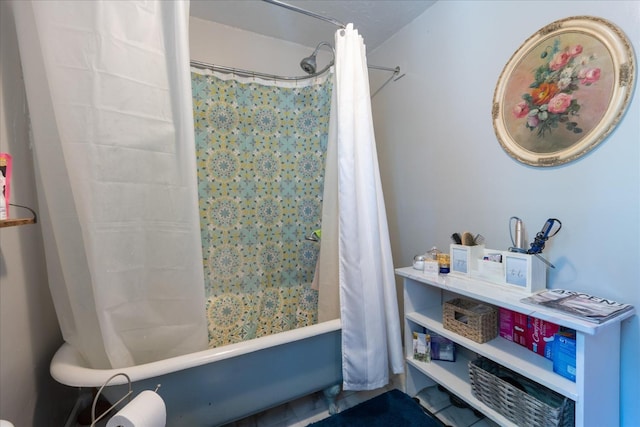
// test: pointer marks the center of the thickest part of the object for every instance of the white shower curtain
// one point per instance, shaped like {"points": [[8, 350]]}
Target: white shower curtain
{"points": [[371, 342], [109, 96]]}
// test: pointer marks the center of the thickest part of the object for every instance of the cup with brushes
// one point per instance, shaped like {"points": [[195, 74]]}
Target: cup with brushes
{"points": [[465, 250], [467, 239]]}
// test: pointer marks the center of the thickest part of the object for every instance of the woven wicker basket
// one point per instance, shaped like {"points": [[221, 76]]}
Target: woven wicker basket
{"points": [[519, 399], [471, 319]]}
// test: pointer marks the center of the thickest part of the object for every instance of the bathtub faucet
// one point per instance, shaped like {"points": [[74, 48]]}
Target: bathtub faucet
{"points": [[314, 236]]}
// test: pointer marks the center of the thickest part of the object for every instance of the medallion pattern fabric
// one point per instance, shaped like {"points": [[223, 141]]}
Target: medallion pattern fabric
{"points": [[261, 155]]}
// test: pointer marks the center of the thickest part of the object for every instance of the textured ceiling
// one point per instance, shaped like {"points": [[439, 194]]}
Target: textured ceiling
{"points": [[376, 20]]}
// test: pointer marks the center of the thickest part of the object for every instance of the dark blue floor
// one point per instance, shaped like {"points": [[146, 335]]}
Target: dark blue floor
{"points": [[391, 409]]}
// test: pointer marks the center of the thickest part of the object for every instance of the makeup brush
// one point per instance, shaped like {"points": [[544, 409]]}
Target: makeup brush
{"points": [[467, 239]]}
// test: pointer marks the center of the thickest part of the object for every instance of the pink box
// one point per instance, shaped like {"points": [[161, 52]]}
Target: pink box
{"points": [[506, 323], [513, 326], [539, 333]]}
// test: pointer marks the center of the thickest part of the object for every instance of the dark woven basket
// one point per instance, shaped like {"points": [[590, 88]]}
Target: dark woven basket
{"points": [[519, 399]]}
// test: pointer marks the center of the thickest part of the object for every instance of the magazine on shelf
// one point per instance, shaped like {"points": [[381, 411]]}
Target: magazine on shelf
{"points": [[583, 306]]}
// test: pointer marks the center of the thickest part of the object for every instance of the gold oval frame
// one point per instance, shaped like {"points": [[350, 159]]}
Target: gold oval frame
{"points": [[563, 91]]}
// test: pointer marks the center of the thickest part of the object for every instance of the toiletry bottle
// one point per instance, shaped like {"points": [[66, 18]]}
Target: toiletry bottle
{"points": [[3, 205]]}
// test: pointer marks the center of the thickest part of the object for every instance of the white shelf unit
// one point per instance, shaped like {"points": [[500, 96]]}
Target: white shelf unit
{"points": [[596, 391]]}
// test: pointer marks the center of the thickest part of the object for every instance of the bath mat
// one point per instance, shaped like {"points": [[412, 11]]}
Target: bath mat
{"points": [[391, 409]]}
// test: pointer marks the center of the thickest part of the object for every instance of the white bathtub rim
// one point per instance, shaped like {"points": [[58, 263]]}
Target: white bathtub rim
{"points": [[69, 367]]}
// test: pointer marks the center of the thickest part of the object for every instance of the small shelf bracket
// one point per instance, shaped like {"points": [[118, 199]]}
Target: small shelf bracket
{"points": [[20, 221]]}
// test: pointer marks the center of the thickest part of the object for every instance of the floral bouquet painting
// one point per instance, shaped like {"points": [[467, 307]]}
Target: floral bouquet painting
{"points": [[553, 98], [559, 93], [563, 91]]}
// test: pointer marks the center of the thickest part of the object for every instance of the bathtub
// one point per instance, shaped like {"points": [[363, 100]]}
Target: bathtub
{"points": [[217, 386]]}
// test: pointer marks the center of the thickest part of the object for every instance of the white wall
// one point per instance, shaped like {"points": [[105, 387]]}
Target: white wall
{"points": [[443, 170], [219, 44], [29, 333]]}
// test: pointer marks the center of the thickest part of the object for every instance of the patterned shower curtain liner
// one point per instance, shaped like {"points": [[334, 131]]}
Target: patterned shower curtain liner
{"points": [[260, 157]]}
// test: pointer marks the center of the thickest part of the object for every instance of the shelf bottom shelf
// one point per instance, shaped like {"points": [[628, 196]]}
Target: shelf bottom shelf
{"points": [[440, 405], [454, 376]]}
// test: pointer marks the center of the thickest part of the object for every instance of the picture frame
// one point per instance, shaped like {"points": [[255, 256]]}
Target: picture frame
{"points": [[464, 259], [524, 272], [459, 260], [563, 91]]}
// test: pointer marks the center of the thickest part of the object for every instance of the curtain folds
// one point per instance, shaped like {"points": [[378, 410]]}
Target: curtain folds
{"points": [[108, 87], [371, 341], [328, 272]]}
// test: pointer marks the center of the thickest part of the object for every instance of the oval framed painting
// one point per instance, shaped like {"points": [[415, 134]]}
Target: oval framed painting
{"points": [[563, 91]]}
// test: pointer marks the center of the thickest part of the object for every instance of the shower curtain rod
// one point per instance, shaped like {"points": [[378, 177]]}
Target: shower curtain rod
{"points": [[396, 71], [306, 12], [247, 73]]}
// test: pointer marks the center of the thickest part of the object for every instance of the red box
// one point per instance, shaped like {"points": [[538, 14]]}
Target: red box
{"points": [[513, 326], [539, 333]]}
